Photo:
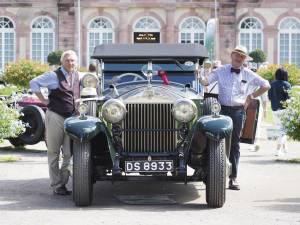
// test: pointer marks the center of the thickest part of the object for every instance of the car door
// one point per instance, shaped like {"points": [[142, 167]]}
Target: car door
{"points": [[250, 126]]}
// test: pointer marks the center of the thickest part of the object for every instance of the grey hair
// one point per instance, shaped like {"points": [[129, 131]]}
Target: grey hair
{"points": [[67, 53]]}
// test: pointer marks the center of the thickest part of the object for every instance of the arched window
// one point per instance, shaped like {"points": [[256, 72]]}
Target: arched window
{"points": [[192, 30], [147, 24], [289, 41], [42, 38], [100, 32], [7, 42], [251, 35]]}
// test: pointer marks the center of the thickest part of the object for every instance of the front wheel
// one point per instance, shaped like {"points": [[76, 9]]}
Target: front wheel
{"points": [[216, 176], [82, 174]]}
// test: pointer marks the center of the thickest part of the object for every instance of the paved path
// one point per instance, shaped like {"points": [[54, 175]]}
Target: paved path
{"points": [[269, 195]]}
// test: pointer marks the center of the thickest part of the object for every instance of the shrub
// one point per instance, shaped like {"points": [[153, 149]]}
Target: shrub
{"points": [[54, 57], [10, 125], [269, 72], [258, 56], [8, 90], [22, 72], [291, 118]]}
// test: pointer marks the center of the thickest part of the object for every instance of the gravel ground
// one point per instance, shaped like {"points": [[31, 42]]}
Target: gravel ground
{"points": [[269, 195]]}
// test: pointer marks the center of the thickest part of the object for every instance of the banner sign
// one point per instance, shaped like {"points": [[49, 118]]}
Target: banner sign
{"points": [[146, 37]]}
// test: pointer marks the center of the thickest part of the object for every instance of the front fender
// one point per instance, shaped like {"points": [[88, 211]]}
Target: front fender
{"points": [[83, 129], [216, 127]]}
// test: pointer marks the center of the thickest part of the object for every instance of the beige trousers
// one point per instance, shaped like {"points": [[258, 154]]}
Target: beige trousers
{"points": [[57, 142]]}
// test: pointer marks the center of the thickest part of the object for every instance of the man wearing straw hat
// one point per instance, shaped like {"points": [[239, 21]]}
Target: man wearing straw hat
{"points": [[235, 94]]}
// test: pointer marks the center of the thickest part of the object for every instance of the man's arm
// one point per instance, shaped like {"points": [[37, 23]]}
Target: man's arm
{"points": [[260, 91], [42, 98], [48, 80], [210, 78], [203, 80], [259, 82]]}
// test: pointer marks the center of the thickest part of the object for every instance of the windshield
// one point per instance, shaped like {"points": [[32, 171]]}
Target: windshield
{"points": [[115, 73]]}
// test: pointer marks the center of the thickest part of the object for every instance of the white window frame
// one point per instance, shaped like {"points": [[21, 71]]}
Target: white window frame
{"points": [[289, 32], [3, 31], [192, 31], [158, 29], [42, 31], [100, 31], [251, 32]]}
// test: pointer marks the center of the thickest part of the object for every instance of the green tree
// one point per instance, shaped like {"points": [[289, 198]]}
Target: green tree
{"points": [[258, 56], [22, 72], [10, 125], [54, 57]]}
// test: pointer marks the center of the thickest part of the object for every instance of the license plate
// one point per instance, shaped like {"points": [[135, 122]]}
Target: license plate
{"points": [[149, 166]]}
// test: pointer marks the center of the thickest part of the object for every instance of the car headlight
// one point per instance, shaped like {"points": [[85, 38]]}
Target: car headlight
{"points": [[83, 108], [184, 110], [89, 80], [113, 111], [216, 108]]}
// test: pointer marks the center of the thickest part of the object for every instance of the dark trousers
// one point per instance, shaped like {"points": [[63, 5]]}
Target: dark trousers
{"points": [[238, 116]]}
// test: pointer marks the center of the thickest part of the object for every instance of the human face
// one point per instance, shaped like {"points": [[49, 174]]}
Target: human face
{"points": [[237, 60], [70, 62]]}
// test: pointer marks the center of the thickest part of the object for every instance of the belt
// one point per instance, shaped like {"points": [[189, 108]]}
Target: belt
{"points": [[233, 107]]}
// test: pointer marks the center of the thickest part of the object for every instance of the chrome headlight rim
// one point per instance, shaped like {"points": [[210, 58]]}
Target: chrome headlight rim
{"points": [[109, 112], [83, 108], [89, 80], [216, 108], [179, 105]]}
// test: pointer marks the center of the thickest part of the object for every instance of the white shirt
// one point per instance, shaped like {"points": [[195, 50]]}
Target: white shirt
{"points": [[234, 88]]}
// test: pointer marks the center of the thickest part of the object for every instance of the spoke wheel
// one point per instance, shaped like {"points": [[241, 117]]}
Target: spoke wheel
{"points": [[216, 176], [82, 174]]}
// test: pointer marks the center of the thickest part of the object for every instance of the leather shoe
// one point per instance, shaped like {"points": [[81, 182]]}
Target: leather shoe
{"points": [[62, 190], [234, 185]]}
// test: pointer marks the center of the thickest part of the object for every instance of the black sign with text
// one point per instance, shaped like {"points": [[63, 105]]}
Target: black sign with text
{"points": [[146, 37]]}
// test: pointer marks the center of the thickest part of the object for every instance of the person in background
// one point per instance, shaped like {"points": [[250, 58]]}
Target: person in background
{"points": [[278, 94], [64, 88], [235, 96], [92, 67]]}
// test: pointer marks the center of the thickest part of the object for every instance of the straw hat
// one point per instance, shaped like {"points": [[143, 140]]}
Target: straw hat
{"points": [[242, 50]]}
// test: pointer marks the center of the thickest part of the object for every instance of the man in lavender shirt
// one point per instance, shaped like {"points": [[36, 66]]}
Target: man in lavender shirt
{"points": [[63, 87], [235, 94]]}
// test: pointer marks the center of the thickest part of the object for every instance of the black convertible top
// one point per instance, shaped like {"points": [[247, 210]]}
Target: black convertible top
{"points": [[145, 52]]}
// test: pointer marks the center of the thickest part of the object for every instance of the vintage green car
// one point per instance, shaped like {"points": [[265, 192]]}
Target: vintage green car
{"points": [[148, 128]]}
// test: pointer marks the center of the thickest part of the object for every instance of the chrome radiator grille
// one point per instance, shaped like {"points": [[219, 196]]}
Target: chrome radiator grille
{"points": [[149, 128]]}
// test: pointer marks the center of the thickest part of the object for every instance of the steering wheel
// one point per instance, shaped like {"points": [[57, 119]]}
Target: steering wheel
{"points": [[135, 77]]}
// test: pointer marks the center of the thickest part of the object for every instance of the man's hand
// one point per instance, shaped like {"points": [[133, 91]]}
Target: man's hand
{"points": [[201, 78], [41, 97], [45, 101], [248, 101]]}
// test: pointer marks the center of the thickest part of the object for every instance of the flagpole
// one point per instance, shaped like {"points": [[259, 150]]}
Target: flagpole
{"points": [[216, 39]]}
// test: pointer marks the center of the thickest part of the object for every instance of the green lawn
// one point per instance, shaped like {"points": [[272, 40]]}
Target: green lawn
{"points": [[9, 158]]}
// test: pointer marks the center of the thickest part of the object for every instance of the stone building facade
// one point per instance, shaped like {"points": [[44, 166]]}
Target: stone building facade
{"points": [[32, 28]]}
